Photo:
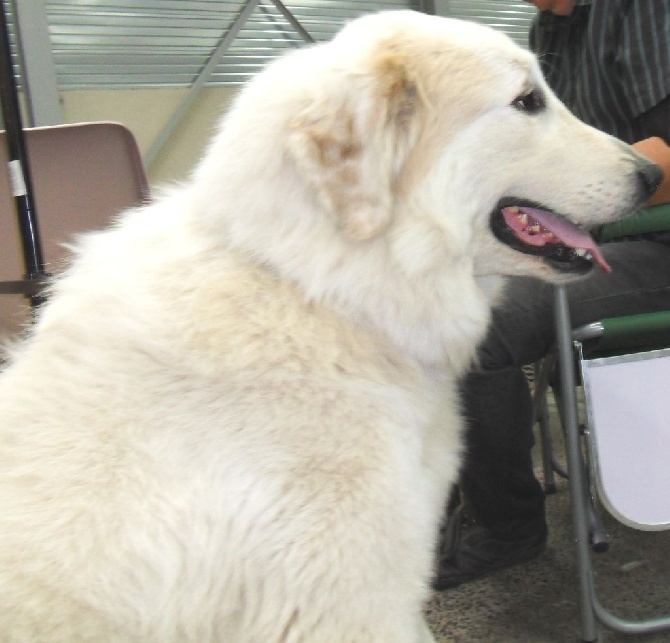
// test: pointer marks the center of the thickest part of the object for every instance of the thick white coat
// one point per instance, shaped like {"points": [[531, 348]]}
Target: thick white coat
{"points": [[236, 419]]}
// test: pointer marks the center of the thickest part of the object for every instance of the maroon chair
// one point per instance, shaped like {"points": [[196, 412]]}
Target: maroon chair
{"points": [[82, 174]]}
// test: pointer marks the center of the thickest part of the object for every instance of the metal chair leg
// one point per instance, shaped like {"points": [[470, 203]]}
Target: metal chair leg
{"points": [[589, 628], [550, 465], [547, 450]]}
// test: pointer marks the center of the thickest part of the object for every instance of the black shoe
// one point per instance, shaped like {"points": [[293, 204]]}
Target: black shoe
{"points": [[469, 551]]}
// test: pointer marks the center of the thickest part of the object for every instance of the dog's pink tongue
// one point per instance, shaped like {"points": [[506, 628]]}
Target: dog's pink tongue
{"points": [[564, 232]]}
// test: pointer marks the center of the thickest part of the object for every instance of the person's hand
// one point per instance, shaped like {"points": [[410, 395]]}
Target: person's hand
{"points": [[559, 7], [657, 150]]}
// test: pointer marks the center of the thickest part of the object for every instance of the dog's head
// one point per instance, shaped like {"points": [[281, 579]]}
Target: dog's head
{"points": [[400, 168], [451, 124]]}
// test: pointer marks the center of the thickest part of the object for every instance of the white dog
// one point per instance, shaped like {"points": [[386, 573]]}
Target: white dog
{"points": [[236, 419]]}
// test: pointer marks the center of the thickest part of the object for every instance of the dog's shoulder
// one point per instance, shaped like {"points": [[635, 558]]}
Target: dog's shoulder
{"points": [[247, 316]]}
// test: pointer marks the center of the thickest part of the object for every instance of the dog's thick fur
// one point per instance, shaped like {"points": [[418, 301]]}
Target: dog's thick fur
{"points": [[236, 419]]}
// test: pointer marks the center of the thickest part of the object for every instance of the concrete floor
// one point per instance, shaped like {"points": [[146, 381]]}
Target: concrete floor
{"points": [[538, 602]]}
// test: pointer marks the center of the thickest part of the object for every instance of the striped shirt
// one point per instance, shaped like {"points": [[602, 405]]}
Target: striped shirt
{"points": [[609, 62]]}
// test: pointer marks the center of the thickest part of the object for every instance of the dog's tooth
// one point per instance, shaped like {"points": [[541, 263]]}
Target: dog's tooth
{"points": [[523, 219], [535, 228], [513, 209], [582, 252]]}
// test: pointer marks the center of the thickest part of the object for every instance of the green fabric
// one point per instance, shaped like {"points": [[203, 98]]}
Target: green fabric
{"points": [[635, 332], [648, 330], [654, 219]]}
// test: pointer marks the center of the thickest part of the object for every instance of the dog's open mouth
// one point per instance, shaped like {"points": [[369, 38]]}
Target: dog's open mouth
{"points": [[527, 228]]}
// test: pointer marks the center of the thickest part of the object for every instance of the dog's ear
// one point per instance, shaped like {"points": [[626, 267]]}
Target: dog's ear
{"points": [[350, 144]]}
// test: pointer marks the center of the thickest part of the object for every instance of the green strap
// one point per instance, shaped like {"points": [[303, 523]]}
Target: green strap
{"points": [[654, 219], [648, 330]]}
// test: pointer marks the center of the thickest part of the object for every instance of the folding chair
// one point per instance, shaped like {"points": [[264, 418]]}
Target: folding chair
{"points": [[83, 175], [622, 456]]}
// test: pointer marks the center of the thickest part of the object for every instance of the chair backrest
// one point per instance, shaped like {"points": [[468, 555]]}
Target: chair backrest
{"points": [[627, 410], [83, 174]]}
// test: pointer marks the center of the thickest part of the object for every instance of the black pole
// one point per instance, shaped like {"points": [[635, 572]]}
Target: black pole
{"points": [[18, 166]]}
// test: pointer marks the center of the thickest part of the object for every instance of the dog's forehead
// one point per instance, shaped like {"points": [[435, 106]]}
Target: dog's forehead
{"points": [[485, 45], [410, 26], [446, 42]]}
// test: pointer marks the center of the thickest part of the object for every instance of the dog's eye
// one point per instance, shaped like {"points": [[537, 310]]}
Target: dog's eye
{"points": [[531, 101]]}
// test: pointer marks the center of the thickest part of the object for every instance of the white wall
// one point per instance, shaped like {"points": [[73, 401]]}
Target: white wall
{"points": [[145, 112]]}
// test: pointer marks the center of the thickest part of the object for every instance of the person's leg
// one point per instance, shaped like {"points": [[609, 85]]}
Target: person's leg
{"points": [[500, 520], [497, 482], [503, 501]]}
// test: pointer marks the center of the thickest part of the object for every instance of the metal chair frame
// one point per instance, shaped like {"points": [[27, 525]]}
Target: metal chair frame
{"points": [[581, 492]]}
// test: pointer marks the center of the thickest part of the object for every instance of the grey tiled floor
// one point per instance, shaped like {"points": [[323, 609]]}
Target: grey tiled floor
{"points": [[538, 602]]}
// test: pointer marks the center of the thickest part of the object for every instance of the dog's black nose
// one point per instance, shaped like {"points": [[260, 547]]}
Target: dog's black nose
{"points": [[650, 176]]}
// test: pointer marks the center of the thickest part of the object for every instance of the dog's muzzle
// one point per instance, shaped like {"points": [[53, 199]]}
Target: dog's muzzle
{"points": [[528, 228]]}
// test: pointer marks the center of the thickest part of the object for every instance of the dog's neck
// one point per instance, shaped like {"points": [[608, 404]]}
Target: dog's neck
{"points": [[435, 321], [425, 301]]}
